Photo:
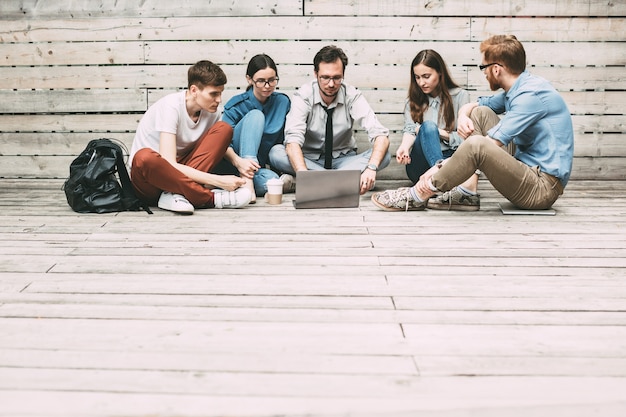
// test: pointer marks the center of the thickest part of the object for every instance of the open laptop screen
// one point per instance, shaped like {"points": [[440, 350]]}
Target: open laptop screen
{"points": [[327, 189]]}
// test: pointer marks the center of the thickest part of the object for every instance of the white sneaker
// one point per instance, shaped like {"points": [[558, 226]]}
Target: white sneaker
{"points": [[175, 202], [289, 183], [232, 199]]}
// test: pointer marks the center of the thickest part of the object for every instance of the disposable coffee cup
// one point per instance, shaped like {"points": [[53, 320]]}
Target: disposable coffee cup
{"points": [[274, 191]]}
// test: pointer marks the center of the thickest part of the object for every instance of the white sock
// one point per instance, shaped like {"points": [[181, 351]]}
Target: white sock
{"points": [[415, 196]]}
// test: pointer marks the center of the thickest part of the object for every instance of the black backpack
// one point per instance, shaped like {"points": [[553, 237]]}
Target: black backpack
{"points": [[92, 186]]}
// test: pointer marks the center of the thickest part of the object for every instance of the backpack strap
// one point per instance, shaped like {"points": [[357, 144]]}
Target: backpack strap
{"points": [[127, 185]]}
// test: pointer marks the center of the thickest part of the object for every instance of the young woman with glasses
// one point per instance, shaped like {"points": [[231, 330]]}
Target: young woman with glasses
{"points": [[258, 119], [430, 114]]}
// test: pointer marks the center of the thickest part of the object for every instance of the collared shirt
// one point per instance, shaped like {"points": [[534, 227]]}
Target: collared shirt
{"points": [[275, 110], [306, 121], [538, 121], [459, 97]]}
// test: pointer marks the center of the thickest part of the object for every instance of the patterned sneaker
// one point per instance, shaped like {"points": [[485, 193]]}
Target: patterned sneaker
{"points": [[397, 200], [455, 200]]}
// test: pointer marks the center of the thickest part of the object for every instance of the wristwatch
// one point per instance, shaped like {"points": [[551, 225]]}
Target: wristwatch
{"points": [[373, 167]]}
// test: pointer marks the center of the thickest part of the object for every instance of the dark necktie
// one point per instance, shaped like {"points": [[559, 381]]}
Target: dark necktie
{"points": [[328, 140]]}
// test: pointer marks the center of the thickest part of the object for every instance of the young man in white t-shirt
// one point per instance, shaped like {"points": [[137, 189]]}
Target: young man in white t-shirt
{"points": [[179, 142]]}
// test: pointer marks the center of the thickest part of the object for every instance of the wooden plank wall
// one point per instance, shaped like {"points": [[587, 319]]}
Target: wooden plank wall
{"points": [[73, 71]]}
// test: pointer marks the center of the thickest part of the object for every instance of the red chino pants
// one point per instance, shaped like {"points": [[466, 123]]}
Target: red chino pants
{"points": [[151, 174]]}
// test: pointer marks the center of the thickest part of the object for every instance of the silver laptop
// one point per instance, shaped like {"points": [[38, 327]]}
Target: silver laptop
{"points": [[509, 208], [327, 189]]}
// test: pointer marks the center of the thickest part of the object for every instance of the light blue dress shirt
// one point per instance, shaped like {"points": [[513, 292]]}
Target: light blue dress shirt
{"points": [[538, 121]]}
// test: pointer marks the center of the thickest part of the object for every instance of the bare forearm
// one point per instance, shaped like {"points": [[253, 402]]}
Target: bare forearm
{"points": [[231, 156], [200, 177], [379, 150], [296, 157]]}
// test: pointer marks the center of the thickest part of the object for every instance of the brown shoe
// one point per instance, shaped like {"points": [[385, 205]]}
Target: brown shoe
{"points": [[455, 200]]}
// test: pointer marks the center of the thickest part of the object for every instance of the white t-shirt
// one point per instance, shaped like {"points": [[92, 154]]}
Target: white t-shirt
{"points": [[169, 114]]}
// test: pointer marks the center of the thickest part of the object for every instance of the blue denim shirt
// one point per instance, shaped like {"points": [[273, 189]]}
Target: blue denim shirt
{"points": [[275, 110], [538, 121]]}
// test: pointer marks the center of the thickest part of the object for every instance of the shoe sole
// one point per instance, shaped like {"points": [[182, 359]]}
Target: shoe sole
{"points": [[186, 212], [452, 207], [385, 208]]}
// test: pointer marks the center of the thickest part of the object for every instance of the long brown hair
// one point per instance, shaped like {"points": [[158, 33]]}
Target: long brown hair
{"points": [[418, 101]]}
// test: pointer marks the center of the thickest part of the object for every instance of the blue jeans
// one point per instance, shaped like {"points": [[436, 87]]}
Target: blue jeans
{"points": [[247, 138], [426, 151], [351, 160]]}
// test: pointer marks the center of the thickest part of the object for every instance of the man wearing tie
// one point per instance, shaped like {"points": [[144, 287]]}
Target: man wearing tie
{"points": [[325, 108]]}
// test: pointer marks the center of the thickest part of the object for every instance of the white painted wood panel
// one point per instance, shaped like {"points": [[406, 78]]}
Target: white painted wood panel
{"points": [[94, 67]]}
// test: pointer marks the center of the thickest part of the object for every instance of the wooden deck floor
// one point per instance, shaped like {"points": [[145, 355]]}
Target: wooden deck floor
{"points": [[269, 311]]}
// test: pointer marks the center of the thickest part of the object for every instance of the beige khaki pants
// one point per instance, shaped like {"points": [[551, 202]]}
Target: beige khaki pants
{"points": [[524, 186]]}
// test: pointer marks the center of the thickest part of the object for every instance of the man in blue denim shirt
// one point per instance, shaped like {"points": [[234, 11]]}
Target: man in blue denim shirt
{"points": [[536, 120]]}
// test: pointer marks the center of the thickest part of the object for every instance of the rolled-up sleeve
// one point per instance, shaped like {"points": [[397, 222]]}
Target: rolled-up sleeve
{"points": [[296, 121], [410, 126], [362, 112]]}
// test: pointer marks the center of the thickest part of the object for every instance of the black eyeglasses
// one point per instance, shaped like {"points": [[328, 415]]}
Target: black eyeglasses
{"points": [[325, 79], [483, 67], [261, 82]]}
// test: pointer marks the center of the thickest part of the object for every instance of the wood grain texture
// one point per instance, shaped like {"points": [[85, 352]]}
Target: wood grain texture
{"points": [[268, 310], [93, 67]]}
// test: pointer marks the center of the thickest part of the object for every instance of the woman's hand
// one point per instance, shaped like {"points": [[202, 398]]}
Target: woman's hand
{"points": [[247, 167], [403, 155]]}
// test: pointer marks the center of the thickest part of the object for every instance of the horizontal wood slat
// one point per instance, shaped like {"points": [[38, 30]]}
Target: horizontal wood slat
{"points": [[138, 100], [416, 28], [289, 52], [467, 7], [27, 9], [291, 77], [71, 73], [272, 311]]}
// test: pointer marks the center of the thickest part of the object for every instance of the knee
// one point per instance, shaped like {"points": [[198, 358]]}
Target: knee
{"points": [[481, 111], [428, 132], [222, 129], [221, 134], [429, 128], [277, 152], [476, 143], [144, 157], [254, 117]]}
